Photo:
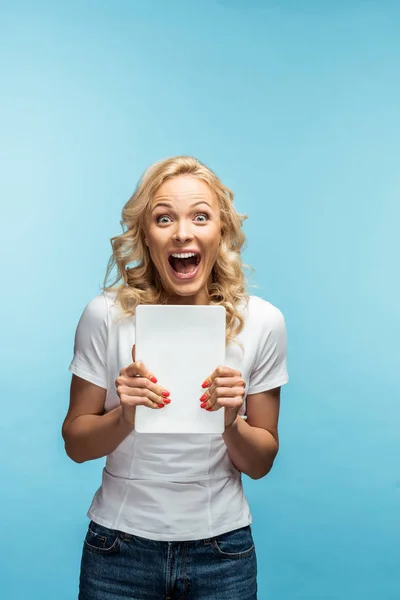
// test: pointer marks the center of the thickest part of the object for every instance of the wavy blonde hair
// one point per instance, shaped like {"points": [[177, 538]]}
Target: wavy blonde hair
{"points": [[141, 284]]}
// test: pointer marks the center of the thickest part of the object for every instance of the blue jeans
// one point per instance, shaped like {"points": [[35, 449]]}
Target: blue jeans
{"points": [[117, 566]]}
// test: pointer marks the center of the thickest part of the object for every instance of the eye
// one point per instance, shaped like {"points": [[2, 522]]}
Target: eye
{"points": [[202, 217], [163, 219]]}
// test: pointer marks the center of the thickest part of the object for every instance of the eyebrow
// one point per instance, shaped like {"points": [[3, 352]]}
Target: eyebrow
{"points": [[168, 204]]}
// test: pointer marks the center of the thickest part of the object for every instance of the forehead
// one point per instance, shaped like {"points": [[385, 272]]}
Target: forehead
{"points": [[185, 188]]}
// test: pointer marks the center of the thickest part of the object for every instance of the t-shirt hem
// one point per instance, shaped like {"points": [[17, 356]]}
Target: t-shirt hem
{"points": [[170, 537], [167, 478], [87, 376], [268, 385]]}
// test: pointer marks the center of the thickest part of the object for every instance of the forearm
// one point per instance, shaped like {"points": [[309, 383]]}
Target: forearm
{"points": [[92, 436], [251, 449]]}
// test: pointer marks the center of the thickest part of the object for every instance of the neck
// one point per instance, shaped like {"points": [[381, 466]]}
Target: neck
{"points": [[200, 298]]}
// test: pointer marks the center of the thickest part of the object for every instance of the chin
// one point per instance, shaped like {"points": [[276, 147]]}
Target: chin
{"points": [[187, 290]]}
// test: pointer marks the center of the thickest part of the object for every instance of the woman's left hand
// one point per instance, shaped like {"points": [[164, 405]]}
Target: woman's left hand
{"points": [[225, 389]]}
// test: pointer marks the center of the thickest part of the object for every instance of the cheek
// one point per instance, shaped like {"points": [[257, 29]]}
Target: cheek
{"points": [[212, 254], [155, 248], [154, 254], [214, 243]]}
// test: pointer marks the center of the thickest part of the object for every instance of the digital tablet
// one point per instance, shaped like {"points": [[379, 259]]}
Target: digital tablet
{"points": [[181, 346]]}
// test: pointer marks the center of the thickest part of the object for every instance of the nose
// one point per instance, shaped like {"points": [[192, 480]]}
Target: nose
{"points": [[182, 233]]}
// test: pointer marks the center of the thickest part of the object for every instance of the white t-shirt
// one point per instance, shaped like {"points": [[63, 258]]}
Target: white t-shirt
{"points": [[173, 487]]}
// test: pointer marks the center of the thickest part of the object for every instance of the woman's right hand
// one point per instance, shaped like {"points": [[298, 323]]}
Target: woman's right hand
{"points": [[136, 386]]}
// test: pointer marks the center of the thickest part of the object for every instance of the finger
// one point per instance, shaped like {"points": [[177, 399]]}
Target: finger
{"points": [[221, 372], [144, 372], [133, 401], [208, 400], [224, 392], [138, 386], [221, 382], [129, 371], [228, 382], [140, 392], [138, 368], [230, 402]]}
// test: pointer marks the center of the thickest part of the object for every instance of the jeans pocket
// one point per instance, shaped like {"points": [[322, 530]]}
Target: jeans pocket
{"points": [[102, 540], [234, 544]]}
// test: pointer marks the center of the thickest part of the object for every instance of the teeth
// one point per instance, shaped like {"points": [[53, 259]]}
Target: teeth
{"points": [[184, 255]]}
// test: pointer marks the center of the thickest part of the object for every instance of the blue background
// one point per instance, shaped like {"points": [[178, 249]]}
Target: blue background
{"points": [[295, 104]]}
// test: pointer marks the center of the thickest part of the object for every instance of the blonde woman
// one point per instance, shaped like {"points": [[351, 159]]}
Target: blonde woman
{"points": [[170, 519]]}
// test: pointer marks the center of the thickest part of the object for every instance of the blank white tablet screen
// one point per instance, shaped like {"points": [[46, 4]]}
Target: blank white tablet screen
{"points": [[181, 346]]}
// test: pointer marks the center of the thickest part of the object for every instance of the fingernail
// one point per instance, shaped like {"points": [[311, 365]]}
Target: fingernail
{"points": [[161, 406], [208, 408], [205, 384], [204, 397], [165, 393], [167, 400], [153, 379], [203, 405]]}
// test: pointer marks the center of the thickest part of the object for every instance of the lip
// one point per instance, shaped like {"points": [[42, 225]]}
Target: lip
{"points": [[183, 251], [184, 276]]}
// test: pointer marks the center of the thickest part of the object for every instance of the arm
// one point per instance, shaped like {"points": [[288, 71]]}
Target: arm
{"points": [[89, 433], [253, 444]]}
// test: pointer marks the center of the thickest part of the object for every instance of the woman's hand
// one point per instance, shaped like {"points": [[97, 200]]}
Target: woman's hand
{"points": [[137, 386], [226, 389]]}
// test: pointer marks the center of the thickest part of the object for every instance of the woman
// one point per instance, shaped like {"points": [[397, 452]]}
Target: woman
{"points": [[170, 519]]}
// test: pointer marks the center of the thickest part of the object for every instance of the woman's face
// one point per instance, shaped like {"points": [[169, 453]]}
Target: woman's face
{"points": [[183, 233]]}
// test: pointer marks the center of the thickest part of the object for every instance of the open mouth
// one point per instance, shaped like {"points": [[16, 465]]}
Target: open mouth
{"points": [[184, 264]]}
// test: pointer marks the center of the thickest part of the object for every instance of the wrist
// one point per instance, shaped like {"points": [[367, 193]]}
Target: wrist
{"points": [[234, 426], [126, 422]]}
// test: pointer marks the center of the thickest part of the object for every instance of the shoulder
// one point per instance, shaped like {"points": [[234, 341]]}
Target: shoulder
{"points": [[262, 313], [96, 311], [97, 308]]}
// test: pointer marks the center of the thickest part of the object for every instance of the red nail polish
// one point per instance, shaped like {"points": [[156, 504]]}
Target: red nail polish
{"points": [[167, 400], [205, 384], [161, 406], [203, 405], [165, 393], [204, 397], [153, 379], [208, 408]]}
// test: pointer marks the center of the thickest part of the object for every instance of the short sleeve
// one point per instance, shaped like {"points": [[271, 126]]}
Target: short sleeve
{"points": [[269, 368], [90, 348]]}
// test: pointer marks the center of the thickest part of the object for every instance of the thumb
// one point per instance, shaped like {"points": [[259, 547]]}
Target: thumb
{"points": [[133, 352]]}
